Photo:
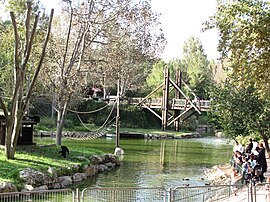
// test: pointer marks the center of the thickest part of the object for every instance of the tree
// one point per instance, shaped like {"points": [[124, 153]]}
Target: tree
{"points": [[21, 95], [97, 40], [197, 67], [244, 41], [156, 76], [134, 44], [240, 111]]}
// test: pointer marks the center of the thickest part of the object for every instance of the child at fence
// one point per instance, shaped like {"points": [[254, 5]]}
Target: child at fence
{"points": [[233, 181]]}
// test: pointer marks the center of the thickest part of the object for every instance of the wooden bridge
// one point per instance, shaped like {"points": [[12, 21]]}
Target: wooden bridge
{"points": [[173, 110], [173, 104]]}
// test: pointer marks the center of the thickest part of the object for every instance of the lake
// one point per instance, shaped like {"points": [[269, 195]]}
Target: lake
{"points": [[160, 163]]}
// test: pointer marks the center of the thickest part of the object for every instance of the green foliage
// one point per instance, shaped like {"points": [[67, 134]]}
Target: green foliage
{"points": [[46, 123], [137, 117], [69, 124], [155, 78], [244, 41], [239, 111], [197, 67]]}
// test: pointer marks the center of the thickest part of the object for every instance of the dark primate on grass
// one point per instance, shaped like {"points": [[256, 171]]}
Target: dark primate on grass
{"points": [[64, 151]]}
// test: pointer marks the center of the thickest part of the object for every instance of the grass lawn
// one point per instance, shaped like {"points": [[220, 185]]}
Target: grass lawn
{"points": [[40, 157]]}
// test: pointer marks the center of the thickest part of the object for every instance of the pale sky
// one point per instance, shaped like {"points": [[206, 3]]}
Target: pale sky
{"points": [[180, 20]]}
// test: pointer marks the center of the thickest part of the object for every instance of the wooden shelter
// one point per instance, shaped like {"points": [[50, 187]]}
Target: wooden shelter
{"points": [[26, 134]]}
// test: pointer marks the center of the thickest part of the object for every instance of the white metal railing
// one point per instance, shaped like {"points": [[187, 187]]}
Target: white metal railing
{"points": [[65, 195], [124, 194], [259, 192]]}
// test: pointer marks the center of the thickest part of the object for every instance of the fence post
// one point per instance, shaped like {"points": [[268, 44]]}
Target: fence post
{"points": [[251, 190], [77, 195], [171, 195]]}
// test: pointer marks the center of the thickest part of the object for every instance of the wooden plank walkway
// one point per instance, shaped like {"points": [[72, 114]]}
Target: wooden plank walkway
{"points": [[173, 104]]}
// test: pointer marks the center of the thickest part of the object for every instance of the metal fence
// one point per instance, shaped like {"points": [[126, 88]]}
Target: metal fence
{"points": [[124, 195], [63, 195], [203, 193], [262, 192], [259, 192]]}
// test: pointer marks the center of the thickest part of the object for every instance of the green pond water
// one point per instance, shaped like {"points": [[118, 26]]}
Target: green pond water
{"points": [[160, 163]]}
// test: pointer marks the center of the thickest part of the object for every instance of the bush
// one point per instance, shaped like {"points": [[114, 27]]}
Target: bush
{"points": [[69, 124], [47, 123]]}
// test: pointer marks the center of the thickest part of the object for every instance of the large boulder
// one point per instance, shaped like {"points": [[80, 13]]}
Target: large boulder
{"points": [[65, 181], [96, 160], [79, 177], [36, 178], [106, 158], [89, 170], [7, 187], [41, 188]]}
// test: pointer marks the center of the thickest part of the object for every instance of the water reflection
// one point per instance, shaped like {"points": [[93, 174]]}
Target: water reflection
{"points": [[162, 163]]}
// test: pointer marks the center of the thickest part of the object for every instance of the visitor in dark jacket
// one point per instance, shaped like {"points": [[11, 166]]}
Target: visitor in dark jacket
{"points": [[262, 160]]}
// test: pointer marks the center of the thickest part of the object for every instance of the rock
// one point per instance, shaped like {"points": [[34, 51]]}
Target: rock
{"points": [[57, 186], [96, 160], [65, 180], [7, 187], [90, 170], [35, 178], [110, 164], [27, 187], [102, 168], [83, 158], [79, 177], [40, 188], [52, 171], [218, 175], [75, 168]]}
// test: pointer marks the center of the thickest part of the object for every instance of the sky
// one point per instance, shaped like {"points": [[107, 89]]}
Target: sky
{"points": [[180, 19]]}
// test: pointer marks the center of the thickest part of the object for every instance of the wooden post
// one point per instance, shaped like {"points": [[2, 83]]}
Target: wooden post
{"points": [[178, 80], [118, 114], [165, 100]]}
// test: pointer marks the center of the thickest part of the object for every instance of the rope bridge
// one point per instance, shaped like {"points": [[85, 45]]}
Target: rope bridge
{"points": [[88, 135], [101, 131]]}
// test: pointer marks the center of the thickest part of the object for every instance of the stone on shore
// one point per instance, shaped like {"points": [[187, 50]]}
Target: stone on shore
{"points": [[7, 187]]}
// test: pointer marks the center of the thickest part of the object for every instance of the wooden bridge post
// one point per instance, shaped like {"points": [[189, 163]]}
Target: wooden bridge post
{"points": [[178, 82], [165, 100]]}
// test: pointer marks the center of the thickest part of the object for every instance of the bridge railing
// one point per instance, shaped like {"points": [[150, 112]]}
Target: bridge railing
{"points": [[181, 104]]}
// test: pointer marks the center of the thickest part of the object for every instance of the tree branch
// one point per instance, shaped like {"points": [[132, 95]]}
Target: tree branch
{"points": [[27, 25], [40, 60]]}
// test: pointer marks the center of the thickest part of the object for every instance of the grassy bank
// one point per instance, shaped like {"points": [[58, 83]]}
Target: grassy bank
{"points": [[41, 157]]}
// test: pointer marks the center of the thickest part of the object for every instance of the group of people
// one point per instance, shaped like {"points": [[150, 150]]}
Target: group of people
{"points": [[250, 161]]}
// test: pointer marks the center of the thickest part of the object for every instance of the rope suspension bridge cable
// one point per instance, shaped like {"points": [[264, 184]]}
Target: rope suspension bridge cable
{"points": [[95, 133], [101, 125], [89, 112]]}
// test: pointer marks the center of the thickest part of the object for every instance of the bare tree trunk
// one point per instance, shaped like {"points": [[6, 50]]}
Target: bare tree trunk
{"points": [[60, 123], [20, 98]]}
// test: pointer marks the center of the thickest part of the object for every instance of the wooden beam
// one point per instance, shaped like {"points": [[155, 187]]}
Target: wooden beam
{"points": [[185, 96], [150, 94], [151, 110], [165, 99], [178, 117]]}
